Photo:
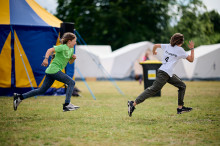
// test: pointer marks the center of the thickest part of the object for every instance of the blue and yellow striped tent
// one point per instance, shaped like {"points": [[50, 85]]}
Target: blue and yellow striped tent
{"points": [[26, 32]]}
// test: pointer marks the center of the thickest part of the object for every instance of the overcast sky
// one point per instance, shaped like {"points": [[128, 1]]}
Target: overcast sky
{"points": [[50, 5]]}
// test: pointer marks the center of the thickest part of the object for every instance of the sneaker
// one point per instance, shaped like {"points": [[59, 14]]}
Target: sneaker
{"points": [[183, 110], [16, 100], [131, 108], [70, 107]]}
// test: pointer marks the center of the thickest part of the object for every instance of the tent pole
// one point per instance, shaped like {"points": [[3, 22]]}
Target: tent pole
{"points": [[93, 96], [23, 62]]}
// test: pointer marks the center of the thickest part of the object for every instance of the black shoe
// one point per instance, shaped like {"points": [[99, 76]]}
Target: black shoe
{"points": [[131, 108], [183, 110], [70, 107], [17, 100]]}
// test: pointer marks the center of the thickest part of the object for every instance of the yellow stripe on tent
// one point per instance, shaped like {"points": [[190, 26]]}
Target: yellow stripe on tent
{"points": [[58, 40], [20, 73], [57, 84], [46, 16], [5, 12], [5, 61]]}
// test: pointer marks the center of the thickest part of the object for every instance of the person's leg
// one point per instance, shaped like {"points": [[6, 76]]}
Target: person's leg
{"points": [[48, 81], [46, 85], [160, 81], [177, 82], [62, 77]]}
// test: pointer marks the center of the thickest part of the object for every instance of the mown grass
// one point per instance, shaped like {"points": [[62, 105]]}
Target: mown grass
{"points": [[105, 121]]}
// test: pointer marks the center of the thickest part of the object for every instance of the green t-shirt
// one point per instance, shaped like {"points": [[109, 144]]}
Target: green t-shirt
{"points": [[62, 57]]}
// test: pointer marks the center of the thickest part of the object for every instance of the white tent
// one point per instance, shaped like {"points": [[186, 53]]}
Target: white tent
{"points": [[120, 63], [88, 63], [101, 62], [206, 64]]}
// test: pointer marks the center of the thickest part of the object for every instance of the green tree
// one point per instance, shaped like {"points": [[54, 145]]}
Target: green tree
{"points": [[116, 22], [121, 22], [215, 19], [194, 23]]}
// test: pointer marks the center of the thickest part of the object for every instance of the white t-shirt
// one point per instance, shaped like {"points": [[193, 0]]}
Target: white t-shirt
{"points": [[171, 56]]}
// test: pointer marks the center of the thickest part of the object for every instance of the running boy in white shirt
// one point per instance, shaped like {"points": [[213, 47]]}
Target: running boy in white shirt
{"points": [[172, 53]]}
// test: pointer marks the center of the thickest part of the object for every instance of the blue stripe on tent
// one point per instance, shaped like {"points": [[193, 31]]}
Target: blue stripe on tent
{"points": [[35, 42], [70, 70], [12, 60], [22, 14], [4, 31], [10, 92]]}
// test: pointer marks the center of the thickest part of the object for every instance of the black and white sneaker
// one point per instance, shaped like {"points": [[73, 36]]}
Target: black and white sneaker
{"points": [[183, 110], [131, 108], [16, 101], [70, 107]]}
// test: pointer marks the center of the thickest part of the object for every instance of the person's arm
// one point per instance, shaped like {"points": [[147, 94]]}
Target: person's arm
{"points": [[155, 48], [47, 55], [190, 58], [73, 58]]}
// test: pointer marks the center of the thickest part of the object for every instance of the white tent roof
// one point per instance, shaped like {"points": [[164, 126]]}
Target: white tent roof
{"points": [[205, 49]]}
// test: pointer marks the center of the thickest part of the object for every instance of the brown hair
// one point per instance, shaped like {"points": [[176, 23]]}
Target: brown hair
{"points": [[67, 36], [177, 39]]}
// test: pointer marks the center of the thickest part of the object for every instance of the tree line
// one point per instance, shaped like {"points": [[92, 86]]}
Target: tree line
{"points": [[121, 22]]}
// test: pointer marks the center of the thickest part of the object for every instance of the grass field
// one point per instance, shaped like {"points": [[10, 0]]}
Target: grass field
{"points": [[105, 121]]}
